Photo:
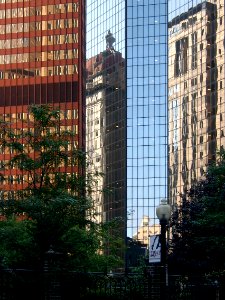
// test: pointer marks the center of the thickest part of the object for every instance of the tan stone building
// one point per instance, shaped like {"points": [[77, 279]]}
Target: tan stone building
{"points": [[195, 93], [145, 230], [105, 130]]}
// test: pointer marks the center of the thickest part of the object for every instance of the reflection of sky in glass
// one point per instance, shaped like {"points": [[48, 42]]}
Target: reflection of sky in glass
{"points": [[177, 7], [102, 16], [146, 55], [146, 109]]}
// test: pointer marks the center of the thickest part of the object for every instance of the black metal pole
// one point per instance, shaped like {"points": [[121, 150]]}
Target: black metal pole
{"points": [[163, 241], [163, 292]]}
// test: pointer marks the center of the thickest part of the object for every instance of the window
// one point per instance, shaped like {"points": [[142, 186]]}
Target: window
{"points": [[75, 37], [65, 113], [181, 57], [10, 179], [20, 116], [194, 81], [74, 114], [75, 23], [75, 7], [19, 179], [57, 54], [2, 164], [66, 54], [65, 70], [66, 23], [49, 26], [58, 23], [201, 171], [66, 38], [38, 25], [75, 53], [194, 50], [57, 39], [37, 72], [58, 70], [66, 7], [38, 11], [75, 69], [57, 8]]}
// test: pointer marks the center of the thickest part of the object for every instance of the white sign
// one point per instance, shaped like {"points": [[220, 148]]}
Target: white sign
{"points": [[154, 249]]}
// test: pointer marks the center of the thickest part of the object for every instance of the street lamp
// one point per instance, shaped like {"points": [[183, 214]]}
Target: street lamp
{"points": [[163, 212]]}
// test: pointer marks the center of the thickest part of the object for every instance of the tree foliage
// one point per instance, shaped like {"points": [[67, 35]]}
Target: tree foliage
{"points": [[53, 212], [198, 225]]}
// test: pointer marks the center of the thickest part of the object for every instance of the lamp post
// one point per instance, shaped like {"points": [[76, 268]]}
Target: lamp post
{"points": [[163, 212]]}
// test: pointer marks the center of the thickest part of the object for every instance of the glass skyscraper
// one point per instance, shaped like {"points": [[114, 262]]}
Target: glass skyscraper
{"points": [[169, 137], [133, 159]]}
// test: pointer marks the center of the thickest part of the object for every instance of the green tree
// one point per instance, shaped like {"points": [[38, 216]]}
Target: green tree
{"points": [[198, 225], [54, 210]]}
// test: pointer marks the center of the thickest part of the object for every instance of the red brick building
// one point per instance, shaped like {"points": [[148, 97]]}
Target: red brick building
{"points": [[42, 60]]}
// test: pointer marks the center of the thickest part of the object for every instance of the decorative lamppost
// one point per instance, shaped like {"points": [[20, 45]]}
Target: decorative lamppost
{"points": [[163, 212]]}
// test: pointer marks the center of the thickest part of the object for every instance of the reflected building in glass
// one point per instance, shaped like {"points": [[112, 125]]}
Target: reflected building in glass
{"points": [[127, 117], [106, 129], [196, 91], [42, 61]]}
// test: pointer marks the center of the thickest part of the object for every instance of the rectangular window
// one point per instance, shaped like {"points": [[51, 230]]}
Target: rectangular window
{"points": [[58, 23], [194, 81], [194, 50], [75, 37], [66, 23], [180, 66]]}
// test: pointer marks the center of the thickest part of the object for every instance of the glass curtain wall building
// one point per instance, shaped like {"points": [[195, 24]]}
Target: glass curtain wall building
{"points": [[135, 104], [196, 90], [192, 113]]}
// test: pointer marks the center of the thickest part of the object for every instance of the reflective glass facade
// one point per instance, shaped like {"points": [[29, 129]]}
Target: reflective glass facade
{"points": [[42, 53], [146, 114], [173, 53], [138, 108], [196, 90], [106, 106]]}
